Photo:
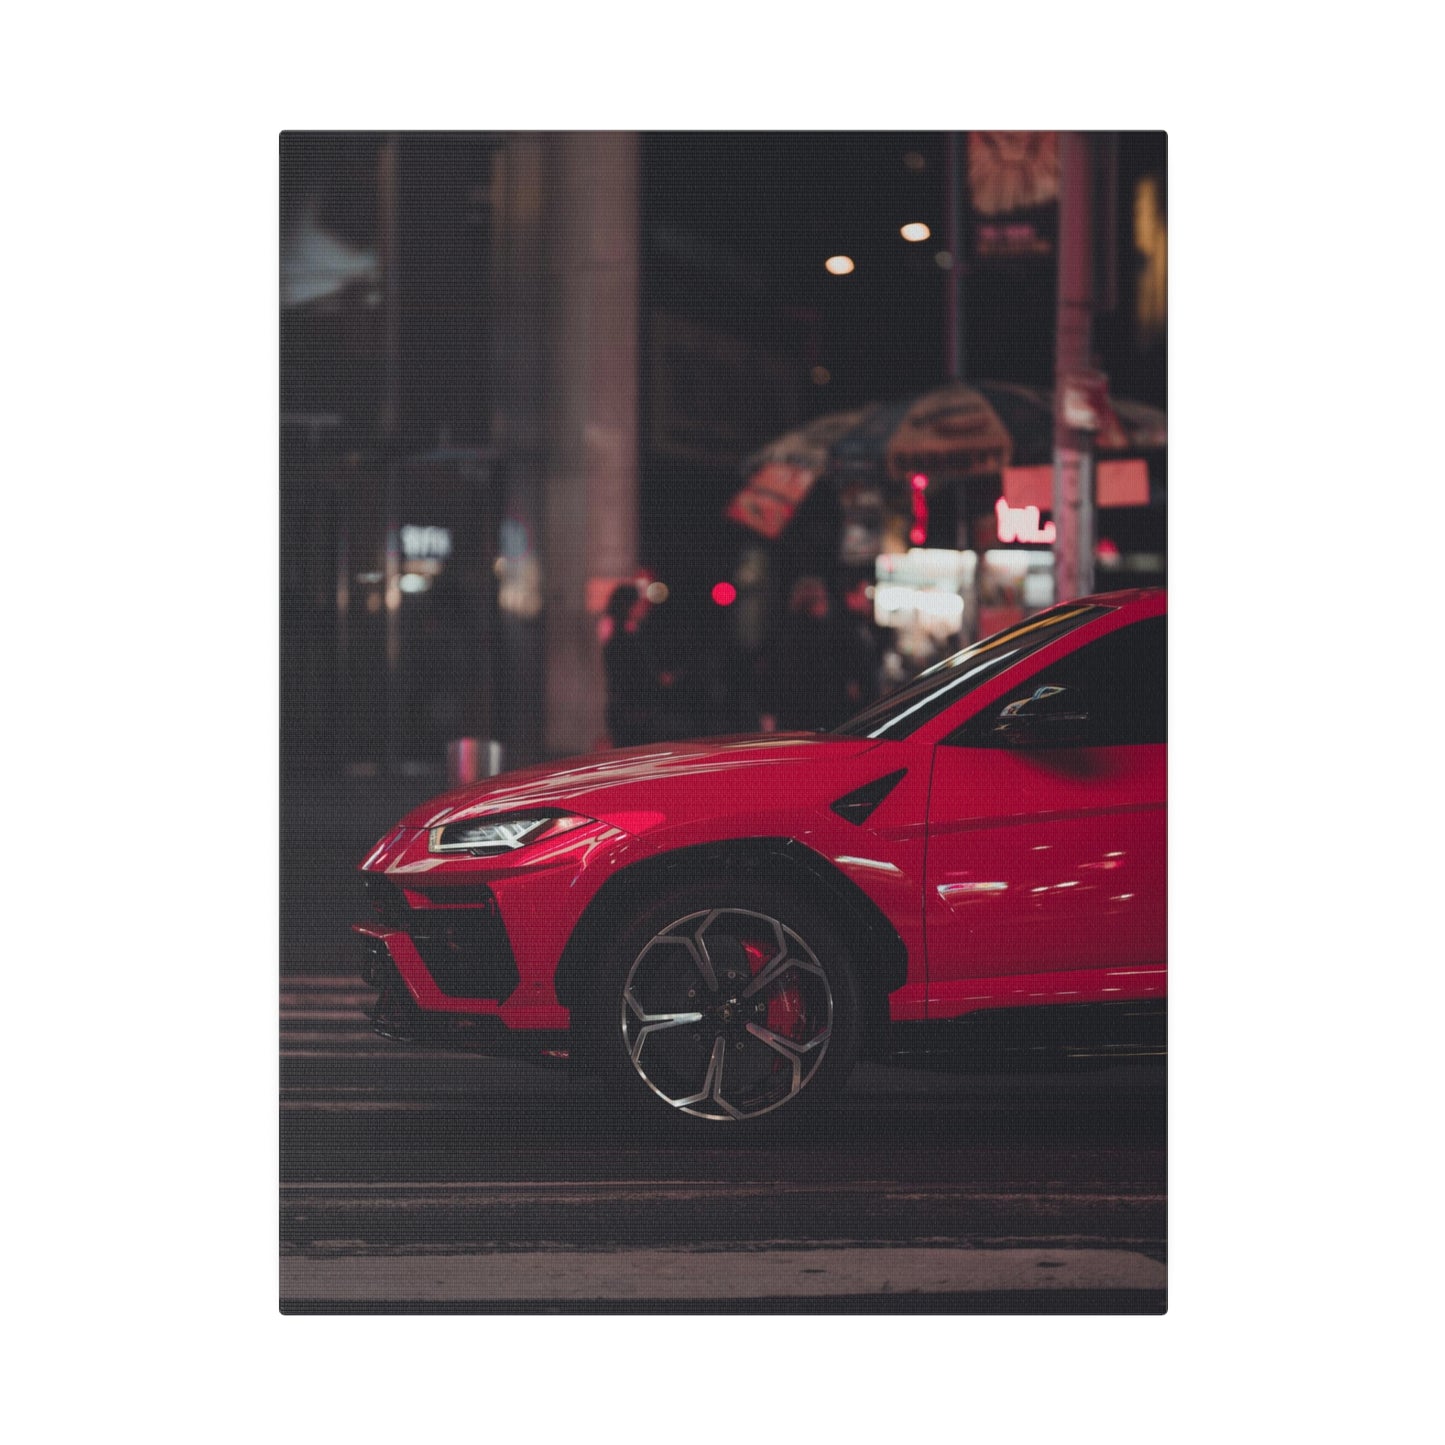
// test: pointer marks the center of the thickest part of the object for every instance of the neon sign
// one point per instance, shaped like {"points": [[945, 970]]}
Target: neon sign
{"points": [[426, 542], [1021, 524], [918, 533]]}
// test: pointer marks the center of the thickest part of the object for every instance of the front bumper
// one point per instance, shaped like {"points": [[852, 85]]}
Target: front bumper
{"points": [[395, 1014], [461, 940], [465, 950]]}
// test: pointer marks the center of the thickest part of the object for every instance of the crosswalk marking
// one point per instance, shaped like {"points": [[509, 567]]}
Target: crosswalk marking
{"points": [[408, 1195], [323, 1016], [709, 1274], [348, 1235], [348, 1015]]}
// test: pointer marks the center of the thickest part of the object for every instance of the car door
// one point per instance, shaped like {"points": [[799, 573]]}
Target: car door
{"points": [[1047, 834]]}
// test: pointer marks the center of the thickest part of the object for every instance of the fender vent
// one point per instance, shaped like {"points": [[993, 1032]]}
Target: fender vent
{"points": [[858, 806]]}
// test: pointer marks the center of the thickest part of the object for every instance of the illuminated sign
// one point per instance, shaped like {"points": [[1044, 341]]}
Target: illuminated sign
{"points": [[918, 533], [939, 614], [1123, 484], [1013, 187], [1117, 483], [1021, 524], [426, 542], [772, 494], [919, 591]]}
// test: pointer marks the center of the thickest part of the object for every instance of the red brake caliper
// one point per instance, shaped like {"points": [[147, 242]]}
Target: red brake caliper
{"points": [[785, 1005]]}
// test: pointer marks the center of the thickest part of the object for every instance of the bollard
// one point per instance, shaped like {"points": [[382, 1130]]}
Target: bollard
{"points": [[471, 758]]}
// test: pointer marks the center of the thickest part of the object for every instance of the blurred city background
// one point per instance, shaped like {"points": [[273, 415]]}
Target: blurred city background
{"points": [[751, 426]]}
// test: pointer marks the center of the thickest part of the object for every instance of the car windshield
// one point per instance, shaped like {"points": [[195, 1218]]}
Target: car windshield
{"points": [[900, 713]]}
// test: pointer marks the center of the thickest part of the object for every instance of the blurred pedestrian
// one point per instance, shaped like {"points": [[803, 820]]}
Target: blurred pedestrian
{"points": [[715, 684], [634, 679], [867, 645], [812, 675]]}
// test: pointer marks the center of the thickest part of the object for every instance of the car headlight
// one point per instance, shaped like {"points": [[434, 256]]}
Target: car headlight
{"points": [[488, 837]]}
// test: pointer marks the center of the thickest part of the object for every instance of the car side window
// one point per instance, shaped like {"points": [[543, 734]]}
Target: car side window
{"points": [[1117, 686]]}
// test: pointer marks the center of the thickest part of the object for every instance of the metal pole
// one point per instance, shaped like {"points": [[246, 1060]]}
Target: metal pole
{"points": [[953, 186], [1073, 459], [341, 679], [387, 205], [485, 488]]}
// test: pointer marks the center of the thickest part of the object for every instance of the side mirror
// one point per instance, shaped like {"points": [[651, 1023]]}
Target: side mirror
{"points": [[1052, 717]]}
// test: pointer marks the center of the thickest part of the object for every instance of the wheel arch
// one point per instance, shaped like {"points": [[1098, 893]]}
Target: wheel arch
{"points": [[876, 953]]}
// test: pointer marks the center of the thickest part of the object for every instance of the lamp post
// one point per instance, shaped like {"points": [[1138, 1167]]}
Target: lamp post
{"points": [[387, 180], [1075, 387], [954, 187]]}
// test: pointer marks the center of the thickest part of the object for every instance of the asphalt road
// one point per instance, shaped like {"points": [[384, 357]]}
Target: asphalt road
{"points": [[417, 1181]]}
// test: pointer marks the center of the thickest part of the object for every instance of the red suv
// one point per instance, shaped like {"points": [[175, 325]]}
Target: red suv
{"points": [[720, 929]]}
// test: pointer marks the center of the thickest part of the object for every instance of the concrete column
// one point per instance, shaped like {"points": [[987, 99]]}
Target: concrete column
{"points": [[1073, 460], [590, 467], [517, 385], [563, 380]]}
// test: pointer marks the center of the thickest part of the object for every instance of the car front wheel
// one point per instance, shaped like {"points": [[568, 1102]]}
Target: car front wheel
{"points": [[727, 1005]]}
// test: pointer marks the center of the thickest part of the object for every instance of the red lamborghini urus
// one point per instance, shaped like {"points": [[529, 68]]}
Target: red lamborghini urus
{"points": [[721, 928]]}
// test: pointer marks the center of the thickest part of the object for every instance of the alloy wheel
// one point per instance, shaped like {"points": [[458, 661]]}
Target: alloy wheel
{"points": [[726, 1014]]}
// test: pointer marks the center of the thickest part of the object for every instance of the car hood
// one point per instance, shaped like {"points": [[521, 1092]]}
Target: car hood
{"points": [[625, 787]]}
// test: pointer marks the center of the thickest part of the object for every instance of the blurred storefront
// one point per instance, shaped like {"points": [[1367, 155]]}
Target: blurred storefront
{"points": [[459, 439], [517, 367], [943, 505]]}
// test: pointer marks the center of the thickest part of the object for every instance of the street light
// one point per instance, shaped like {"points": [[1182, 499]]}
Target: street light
{"points": [[839, 265], [915, 231]]}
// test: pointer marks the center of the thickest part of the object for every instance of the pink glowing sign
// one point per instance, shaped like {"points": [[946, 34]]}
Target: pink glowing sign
{"points": [[1022, 524]]}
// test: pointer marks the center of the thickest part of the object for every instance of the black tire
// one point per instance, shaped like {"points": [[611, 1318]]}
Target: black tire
{"points": [[725, 1004]]}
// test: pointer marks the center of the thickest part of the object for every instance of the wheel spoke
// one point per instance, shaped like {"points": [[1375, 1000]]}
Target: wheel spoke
{"points": [[772, 924], [776, 969], [654, 1023], [789, 1048], [667, 1019], [793, 1057], [701, 963], [712, 1080], [704, 963]]}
